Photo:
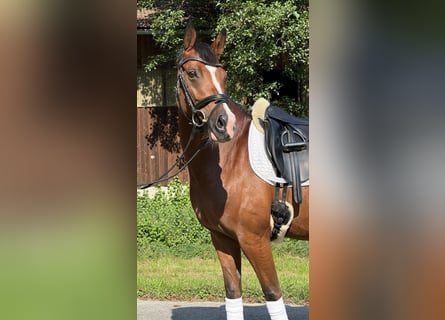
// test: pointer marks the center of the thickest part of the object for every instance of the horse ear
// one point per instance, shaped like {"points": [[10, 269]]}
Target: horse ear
{"points": [[189, 37], [218, 45]]}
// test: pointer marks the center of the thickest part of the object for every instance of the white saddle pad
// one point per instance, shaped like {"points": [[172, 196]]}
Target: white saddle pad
{"points": [[259, 161]]}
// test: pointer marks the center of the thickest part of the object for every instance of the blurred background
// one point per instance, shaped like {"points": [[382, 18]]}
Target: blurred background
{"points": [[68, 162]]}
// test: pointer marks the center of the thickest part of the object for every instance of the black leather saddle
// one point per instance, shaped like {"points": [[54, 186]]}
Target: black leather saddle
{"points": [[287, 144]]}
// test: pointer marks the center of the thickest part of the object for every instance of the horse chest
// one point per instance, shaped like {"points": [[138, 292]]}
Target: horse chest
{"points": [[211, 206]]}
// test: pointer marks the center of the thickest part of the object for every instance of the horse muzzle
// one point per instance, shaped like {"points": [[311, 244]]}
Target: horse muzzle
{"points": [[222, 123]]}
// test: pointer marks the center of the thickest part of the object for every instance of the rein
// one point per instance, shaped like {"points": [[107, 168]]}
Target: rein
{"points": [[198, 119], [163, 176]]}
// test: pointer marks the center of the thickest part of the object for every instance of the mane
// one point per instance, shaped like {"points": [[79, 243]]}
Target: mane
{"points": [[245, 111], [205, 52], [238, 109]]}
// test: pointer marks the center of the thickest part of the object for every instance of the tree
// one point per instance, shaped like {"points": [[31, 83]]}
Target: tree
{"points": [[267, 36], [267, 48]]}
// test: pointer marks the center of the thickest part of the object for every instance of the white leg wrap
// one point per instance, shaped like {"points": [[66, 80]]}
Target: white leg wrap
{"points": [[277, 309], [234, 309]]}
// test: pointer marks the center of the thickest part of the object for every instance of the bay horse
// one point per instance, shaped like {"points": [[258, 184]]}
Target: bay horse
{"points": [[226, 195]]}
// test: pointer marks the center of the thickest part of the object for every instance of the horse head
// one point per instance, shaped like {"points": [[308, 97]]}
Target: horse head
{"points": [[201, 84]]}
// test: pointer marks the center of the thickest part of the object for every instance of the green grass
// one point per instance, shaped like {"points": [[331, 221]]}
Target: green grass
{"points": [[176, 260], [169, 277]]}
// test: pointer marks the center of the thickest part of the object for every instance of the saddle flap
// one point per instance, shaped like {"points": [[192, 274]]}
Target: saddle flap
{"points": [[287, 144], [272, 136]]}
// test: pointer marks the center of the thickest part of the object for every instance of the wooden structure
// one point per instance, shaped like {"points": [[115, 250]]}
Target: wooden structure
{"points": [[158, 146], [157, 128]]}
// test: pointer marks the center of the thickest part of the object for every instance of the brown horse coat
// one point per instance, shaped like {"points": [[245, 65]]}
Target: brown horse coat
{"points": [[227, 196]]}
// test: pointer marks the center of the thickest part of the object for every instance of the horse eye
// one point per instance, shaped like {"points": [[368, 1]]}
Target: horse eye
{"points": [[192, 74]]}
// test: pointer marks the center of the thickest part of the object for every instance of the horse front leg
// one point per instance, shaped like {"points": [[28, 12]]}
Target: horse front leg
{"points": [[259, 253], [229, 255]]}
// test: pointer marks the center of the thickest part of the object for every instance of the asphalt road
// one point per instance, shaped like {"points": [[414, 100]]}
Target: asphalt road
{"points": [[174, 310]]}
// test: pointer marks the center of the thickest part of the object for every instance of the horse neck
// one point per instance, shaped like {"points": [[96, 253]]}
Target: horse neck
{"points": [[232, 149], [243, 120], [207, 164]]}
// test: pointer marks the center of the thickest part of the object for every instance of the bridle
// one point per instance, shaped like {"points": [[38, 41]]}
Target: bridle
{"points": [[197, 120], [198, 117]]}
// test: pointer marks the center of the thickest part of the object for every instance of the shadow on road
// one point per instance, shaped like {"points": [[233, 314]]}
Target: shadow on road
{"points": [[250, 312]]}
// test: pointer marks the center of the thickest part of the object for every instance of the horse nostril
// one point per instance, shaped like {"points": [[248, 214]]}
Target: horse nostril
{"points": [[221, 123]]}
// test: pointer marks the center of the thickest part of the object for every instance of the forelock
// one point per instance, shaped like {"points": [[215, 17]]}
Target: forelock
{"points": [[204, 51]]}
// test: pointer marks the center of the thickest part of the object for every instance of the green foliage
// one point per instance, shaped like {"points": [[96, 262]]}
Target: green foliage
{"points": [[166, 222], [291, 247], [145, 3], [164, 28], [262, 36], [265, 36], [168, 21]]}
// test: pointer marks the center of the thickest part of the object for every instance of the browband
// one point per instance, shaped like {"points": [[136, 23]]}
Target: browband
{"points": [[181, 63]]}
